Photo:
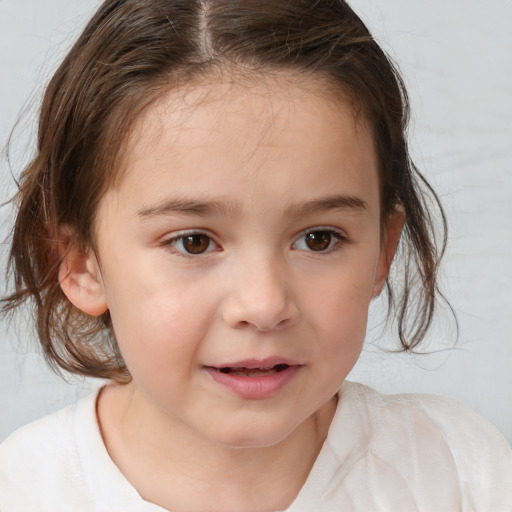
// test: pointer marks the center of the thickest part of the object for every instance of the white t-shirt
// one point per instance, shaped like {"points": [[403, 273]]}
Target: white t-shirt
{"points": [[384, 453]]}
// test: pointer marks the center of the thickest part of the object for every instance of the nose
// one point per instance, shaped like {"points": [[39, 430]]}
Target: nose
{"points": [[260, 297]]}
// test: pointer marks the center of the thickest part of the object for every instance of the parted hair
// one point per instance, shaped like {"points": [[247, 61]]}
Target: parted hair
{"points": [[132, 52]]}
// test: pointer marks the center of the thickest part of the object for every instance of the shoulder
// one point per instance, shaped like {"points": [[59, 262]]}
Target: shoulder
{"points": [[433, 446], [36, 441], [442, 412], [427, 415], [42, 458]]}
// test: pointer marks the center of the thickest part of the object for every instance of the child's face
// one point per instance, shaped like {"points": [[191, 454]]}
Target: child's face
{"points": [[244, 232]]}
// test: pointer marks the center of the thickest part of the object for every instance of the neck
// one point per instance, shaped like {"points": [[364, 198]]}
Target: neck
{"points": [[152, 451]]}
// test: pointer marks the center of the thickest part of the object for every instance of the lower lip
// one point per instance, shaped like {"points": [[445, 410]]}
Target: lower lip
{"points": [[254, 388]]}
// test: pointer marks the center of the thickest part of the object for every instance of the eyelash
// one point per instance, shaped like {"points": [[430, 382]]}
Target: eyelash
{"points": [[172, 242], [336, 242], [337, 239]]}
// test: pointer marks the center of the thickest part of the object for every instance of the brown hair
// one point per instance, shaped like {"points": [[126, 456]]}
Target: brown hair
{"points": [[130, 53]]}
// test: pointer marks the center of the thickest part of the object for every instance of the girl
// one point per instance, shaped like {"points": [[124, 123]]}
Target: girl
{"points": [[218, 194]]}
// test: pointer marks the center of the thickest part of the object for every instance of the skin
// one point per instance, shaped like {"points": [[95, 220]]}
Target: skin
{"points": [[278, 161]]}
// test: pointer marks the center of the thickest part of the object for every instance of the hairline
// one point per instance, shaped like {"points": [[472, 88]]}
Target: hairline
{"points": [[183, 80]]}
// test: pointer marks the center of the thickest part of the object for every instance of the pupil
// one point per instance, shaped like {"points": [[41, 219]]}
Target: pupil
{"points": [[318, 240], [196, 244]]}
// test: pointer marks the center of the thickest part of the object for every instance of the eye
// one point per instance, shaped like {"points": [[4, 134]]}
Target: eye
{"points": [[321, 240], [192, 243]]}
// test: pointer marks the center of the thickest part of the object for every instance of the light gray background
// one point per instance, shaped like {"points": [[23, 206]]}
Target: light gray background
{"points": [[456, 58]]}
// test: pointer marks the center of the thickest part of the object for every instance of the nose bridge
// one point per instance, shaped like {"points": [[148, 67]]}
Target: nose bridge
{"points": [[259, 292]]}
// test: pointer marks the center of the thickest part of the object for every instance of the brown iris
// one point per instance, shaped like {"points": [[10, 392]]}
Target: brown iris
{"points": [[318, 240], [196, 244]]}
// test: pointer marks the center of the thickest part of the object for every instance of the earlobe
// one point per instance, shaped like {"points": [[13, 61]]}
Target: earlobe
{"points": [[80, 279], [391, 236]]}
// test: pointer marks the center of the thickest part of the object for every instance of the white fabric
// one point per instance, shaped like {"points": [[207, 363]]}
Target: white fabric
{"points": [[385, 453]]}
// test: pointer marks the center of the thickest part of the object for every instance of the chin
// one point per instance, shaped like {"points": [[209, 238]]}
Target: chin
{"points": [[252, 436]]}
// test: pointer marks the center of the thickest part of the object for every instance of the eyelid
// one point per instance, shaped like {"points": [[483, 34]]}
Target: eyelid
{"points": [[169, 240], [341, 238]]}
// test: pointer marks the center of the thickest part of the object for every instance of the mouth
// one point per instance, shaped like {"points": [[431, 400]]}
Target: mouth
{"points": [[242, 371], [254, 379]]}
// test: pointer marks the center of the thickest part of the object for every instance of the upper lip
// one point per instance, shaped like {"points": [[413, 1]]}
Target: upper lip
{"points": [[250, 364]]}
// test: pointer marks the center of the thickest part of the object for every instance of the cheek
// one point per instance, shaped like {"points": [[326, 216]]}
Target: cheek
{"points": [[158, 324], [342, 325], [338, 310]]}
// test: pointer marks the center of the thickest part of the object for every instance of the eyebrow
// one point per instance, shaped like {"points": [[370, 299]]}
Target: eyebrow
{"points": [[204, 208], [326, 204], [190, 207]]}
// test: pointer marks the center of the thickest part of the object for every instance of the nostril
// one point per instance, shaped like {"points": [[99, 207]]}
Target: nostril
{"points": [[259, 327], [263, 313]]}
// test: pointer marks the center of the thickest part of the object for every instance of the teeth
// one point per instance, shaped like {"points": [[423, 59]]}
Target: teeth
{"points": [[254, 372]]}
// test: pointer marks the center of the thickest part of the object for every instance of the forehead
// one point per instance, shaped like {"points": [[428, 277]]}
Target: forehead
{"points": [[225, 137]]}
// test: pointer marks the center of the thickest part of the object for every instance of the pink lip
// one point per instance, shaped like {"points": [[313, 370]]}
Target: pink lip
{"points": [[255, 387], [257, 363]]}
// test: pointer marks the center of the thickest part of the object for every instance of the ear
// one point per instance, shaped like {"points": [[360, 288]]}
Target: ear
{"points": [[80, 278], [391, 231]]}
